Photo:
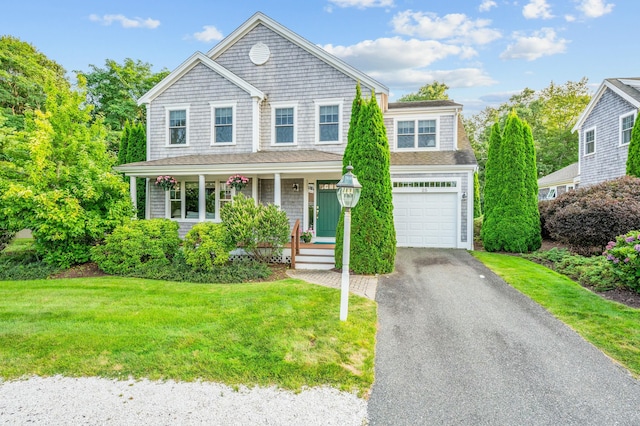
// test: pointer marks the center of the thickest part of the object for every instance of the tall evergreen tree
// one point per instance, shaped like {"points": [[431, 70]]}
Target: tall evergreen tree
{"points": [[373, 236], [124, 144], [512, 221], [477, 203], [137, 151], [633, 157]]}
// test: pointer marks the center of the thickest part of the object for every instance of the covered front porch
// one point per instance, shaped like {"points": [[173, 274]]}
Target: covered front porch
{"points": [[302, 183]]}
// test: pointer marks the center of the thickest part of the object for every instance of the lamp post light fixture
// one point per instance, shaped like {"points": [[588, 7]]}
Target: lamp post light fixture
{"points": [[348, 195]]}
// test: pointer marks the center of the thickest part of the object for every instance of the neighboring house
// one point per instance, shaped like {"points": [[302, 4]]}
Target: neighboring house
{"points": [[270, 105], [604, 129], [558, 182]]}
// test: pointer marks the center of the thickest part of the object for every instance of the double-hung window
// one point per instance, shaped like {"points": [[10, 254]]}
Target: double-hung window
{"points": [[328, 121], [223, 119], [589, 141], [177, 126], [626, 127], [416, 133], [284, 124]]}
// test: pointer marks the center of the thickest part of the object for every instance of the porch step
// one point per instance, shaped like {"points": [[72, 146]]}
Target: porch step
{"points": [[316, 257]]}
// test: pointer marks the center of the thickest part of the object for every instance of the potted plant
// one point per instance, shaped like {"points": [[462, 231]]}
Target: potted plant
{"points": [[166, 182], [237, 181], [307, 235]]}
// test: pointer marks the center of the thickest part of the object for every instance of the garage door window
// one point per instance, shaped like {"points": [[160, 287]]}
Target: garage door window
{"points": [[431, 184]]}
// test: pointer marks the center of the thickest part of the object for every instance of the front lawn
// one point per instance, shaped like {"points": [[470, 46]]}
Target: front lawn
{"points": [[285, 333], [610, 326]]}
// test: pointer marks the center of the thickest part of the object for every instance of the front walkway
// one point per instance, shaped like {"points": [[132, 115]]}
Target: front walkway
{"points": [[362, 285]]}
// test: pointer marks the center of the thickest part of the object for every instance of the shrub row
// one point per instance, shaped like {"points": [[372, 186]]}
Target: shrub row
{"points": [[588, 218]]}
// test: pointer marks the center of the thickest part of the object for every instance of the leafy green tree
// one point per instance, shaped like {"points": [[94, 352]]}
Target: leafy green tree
{"points": [[512, 221], [115, 89], [428, 92], [23, 71], [65, 191], [373, 236], [633, 157]]}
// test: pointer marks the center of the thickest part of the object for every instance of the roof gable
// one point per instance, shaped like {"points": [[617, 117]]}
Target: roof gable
{"points": [[188, 65], [260, 18], [626, 88]]}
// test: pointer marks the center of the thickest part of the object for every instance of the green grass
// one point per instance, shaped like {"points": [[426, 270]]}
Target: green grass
{"points": [[284, 333], [610, 326]]}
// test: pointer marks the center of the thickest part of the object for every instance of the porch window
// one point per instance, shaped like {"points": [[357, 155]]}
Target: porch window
{"points": [[183, 202], [223, 119], [210, 203], [626, 126], [226, 194], [177, 126], [590, 141], [416, 133], [191, 200], [283, 117], [175, 202]]}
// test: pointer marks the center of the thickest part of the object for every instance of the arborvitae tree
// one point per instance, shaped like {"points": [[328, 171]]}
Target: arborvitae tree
{"points": [[373, 236], [512, 221], [477, 207], [124, 144], [633, 157], [492, 179], [137, 151]]}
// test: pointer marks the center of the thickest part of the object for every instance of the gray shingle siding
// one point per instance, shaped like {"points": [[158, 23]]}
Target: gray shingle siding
{"points": [[610, 158], [291, 75], [197, 89]]}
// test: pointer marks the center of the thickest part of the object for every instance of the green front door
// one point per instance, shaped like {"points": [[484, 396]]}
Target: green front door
{"points": [[328, 210]]}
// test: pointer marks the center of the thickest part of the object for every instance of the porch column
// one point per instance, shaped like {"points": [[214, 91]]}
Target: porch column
{"points": [[305, 203], [133, 191], [277, 198], [202, 199], [254, 189], [255, 130]]}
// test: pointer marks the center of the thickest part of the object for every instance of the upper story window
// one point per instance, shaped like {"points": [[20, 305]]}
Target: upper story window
{"points": [[589, 141], [283, 117], [177, 126], [329, 121], [223, 119], [626, 126], [417, 133]]}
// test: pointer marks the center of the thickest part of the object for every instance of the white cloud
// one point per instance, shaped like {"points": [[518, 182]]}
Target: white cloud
{"points": [[537, 9], [486, 5], [410, 80], [540, 43], [455, 27], [594, 8], [362, 4], [208, 33], [382, 54], [125, 22], [569, 18]]}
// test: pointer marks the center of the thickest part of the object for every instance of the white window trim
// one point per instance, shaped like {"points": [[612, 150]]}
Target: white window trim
{"points": [[168, 110], [329, 102], [633, 113], [584, 141], [415, 119], [279, 105], [234, 124]]}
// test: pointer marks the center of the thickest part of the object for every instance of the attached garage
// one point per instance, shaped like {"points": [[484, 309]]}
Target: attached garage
{"points": [[426, 215]]}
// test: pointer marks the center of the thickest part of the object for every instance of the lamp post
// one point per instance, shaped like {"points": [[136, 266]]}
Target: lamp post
{"points": [[348, 195]]}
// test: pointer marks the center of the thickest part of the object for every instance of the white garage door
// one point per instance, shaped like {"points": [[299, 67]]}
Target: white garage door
{"points": [[426, 219]]}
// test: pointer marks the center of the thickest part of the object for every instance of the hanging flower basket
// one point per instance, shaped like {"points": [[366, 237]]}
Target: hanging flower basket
{"points": [[307, 235], [237, 181], [166, 182]]}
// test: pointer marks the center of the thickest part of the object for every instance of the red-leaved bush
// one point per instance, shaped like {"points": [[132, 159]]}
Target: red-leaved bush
{"points": [[588, 218]]}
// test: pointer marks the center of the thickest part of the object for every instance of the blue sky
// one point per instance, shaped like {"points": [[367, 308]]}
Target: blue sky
{"points": [[484, 50]]}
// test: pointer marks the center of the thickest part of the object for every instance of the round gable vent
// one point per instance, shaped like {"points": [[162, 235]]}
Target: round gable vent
{"points": [[259, 53]]}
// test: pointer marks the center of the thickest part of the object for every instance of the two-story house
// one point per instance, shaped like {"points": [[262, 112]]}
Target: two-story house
{"points": [[269, 105], [604, 129]]}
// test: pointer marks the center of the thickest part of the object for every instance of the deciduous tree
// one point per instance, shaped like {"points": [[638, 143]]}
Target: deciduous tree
{"points": [[428, 92]]}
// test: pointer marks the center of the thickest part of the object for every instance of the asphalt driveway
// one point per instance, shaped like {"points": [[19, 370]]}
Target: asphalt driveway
{"points": [[457, 345]]}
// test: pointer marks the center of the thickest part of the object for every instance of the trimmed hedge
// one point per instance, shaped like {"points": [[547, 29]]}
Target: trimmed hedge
{"points": [[588, 218], [207, 245]]}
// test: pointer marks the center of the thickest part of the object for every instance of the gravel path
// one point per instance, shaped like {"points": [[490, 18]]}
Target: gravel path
{"points": [[94, 401]]}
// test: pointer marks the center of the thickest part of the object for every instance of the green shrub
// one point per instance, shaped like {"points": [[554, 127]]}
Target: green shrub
{"points": [[207, 244], [240, 271], [261, 230], [588, 218], [24, 265], [477, 228], [138, 242], [623, 255]]}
